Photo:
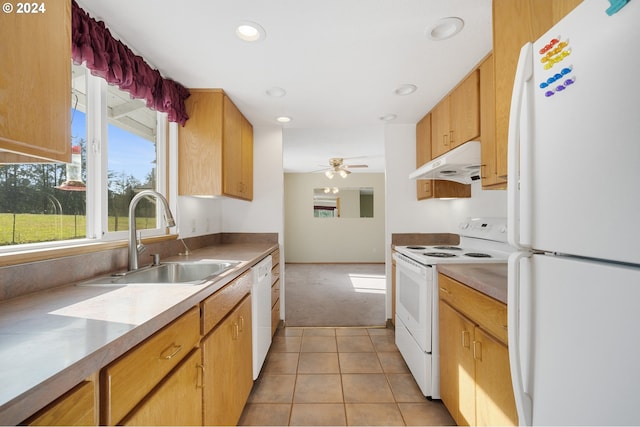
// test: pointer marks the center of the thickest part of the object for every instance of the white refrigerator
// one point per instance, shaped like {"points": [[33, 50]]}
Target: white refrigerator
{"points": [[573, 218]]}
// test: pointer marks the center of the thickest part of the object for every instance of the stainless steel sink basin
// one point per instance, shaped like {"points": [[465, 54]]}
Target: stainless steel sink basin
{"points": [[185, 272]]}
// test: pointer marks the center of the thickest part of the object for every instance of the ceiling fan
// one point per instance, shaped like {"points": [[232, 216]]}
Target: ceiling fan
{"points": [[337, 166]]}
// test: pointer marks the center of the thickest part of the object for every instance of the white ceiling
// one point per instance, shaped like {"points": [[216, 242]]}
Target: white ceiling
{"points": [[338, 60]]}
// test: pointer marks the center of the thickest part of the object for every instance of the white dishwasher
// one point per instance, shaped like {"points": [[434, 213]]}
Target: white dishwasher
{"points": [[261, 313]]}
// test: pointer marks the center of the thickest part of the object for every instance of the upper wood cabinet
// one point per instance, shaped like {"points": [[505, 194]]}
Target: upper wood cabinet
{"points": [[456, 119], [426, 188], [440, 129], [465, 110], [215, 151], [35, 84], [516, 22]]}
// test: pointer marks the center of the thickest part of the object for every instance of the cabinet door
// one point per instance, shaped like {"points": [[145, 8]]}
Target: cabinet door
{"points": [[200, 145], [464, 110], [440, 128], [457, 384], [177, 401], [488, 172], [495, 403], [232, 150], [423, 155], [228, 369], [35, 100], [247, 159]]}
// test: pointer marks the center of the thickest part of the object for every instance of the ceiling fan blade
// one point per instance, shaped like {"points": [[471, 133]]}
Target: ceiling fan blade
{"points": [[356, 166]]}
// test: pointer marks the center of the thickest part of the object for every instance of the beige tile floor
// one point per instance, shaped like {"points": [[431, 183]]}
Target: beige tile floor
{"points": [[339, 377]]}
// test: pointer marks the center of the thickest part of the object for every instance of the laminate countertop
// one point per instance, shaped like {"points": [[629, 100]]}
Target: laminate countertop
{"points": [[490, 279], [52, 340]]}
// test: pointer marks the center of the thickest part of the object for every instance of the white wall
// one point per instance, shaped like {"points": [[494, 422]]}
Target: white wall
{"points": [[405, 214], [265, 213], [198, 216], [310, 239]]}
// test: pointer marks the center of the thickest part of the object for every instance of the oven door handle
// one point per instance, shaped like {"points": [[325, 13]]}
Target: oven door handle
{"points": [[405, 262]]}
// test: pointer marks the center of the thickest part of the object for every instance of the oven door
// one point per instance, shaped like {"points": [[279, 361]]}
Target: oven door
{"points": [[414, 294]]}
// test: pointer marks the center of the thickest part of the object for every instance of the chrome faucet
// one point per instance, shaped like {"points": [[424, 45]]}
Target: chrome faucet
{"points": [[134, 248]]}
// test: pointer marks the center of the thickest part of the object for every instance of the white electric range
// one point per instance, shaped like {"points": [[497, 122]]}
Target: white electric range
{"points": [[482, 240]]}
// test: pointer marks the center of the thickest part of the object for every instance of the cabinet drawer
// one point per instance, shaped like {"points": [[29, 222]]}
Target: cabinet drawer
{"points": [[275, 257], [487, 312], [125, 382], [218, 305], [275, 293], [275, 274], [275, 317]]}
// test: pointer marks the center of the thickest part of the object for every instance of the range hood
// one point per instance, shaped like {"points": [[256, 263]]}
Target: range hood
{"points": [[462, 164]]}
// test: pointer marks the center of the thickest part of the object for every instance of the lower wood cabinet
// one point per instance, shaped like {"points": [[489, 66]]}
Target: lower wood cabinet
{"points": [[128, 381], [77, 407], [475, 378], [275, 291], [176, 401], [228, 368]]}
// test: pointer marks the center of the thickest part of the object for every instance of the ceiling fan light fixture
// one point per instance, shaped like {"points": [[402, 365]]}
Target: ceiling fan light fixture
{"points": [[250, 31], [329, 174], [343, 173]]}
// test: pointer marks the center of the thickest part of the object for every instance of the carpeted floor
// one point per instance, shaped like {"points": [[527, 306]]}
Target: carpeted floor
{"points": [[335, 294]]}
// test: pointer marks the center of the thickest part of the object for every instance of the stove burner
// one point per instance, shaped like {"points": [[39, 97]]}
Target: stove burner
{"points": [[448, 248], [477, 255], [417, 248], [439, 254]]}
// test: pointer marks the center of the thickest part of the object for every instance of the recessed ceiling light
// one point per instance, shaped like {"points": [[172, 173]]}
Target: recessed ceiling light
{"points": [[445, 28], [276, 92], [283, 119], [405, 89], [250, 31], [388, 117]]}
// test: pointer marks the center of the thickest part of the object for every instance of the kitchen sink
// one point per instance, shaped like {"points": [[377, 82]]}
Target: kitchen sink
{"points": [[185, 272]]}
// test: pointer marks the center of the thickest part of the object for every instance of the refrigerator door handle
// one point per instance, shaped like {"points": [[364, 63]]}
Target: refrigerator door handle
{"points": [[517, 338], [516, 203]]}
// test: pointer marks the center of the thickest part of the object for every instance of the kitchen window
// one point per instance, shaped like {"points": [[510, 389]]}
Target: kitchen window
{"points": [[118, 149]]}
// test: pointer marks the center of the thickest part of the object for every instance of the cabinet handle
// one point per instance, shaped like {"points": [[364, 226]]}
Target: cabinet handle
{"points": [[465, 339], [445, 290], [482, 175], [451, 140], [236, 330], [477, 350], [445, 140], [241, 323], [200, 367], [173, 348]]}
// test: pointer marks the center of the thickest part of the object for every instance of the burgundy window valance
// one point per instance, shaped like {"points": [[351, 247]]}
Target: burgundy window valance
{"points": [[106, 57]]}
